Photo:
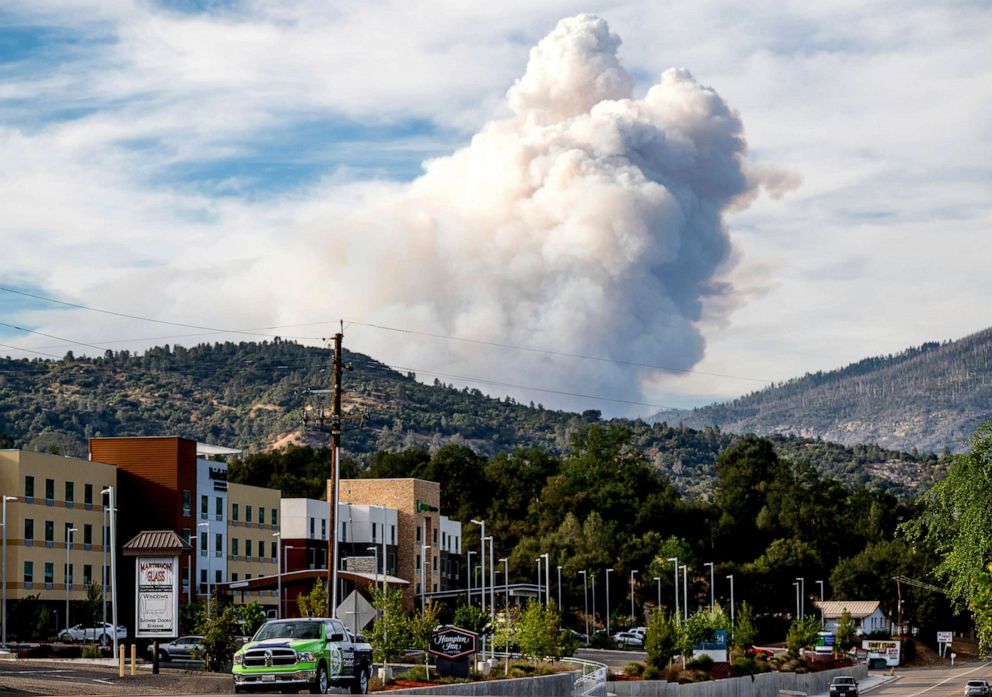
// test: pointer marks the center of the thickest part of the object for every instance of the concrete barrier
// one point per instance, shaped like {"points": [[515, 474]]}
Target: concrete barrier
{"points": [[559, 685], [761, 685]]}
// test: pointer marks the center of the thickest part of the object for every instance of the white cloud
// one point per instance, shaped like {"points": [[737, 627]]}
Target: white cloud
{"points": [[884, 114]]}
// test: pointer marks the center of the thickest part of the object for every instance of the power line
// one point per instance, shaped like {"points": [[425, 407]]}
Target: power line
{"points": [[468, 340], [40, 353], [52, 336]]}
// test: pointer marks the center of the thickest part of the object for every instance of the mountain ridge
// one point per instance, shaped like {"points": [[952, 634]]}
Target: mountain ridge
{"points": [[931, 397]]}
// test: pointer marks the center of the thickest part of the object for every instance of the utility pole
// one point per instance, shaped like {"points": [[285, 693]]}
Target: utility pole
{"points": [[336, 418], [332, 571]]}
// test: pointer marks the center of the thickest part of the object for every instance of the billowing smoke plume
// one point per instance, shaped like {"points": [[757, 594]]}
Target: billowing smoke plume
{"points": [[588, 222]]}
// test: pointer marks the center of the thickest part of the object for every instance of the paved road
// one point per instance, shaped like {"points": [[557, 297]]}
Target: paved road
{"points": [[20, 674], [933, 682], [615, 659]]}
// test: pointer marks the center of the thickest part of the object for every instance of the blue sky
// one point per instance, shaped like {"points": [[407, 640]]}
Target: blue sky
{"points": [[215, 162]]}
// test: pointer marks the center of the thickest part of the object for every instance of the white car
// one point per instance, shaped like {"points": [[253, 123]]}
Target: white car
{"points": [[103, 633], [628, 639], [185, 648]]}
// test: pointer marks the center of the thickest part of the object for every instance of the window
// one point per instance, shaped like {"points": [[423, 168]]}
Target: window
{"points": [[435, 564], [50, 491], [29, 530], [186, 534], [344, 530], [70, 494], [373, 531], [274, 550], [87, 574], [323, 529], [275, 517], [49, 573], [87, 534], [261, 549], [313, 523], [418, 533], [203, 575], [234, 512], [204, 505], [28, 487], [28, 572], [49, 531], [234, 547], [88, 495], [218, 544], [234, 576], [418, 563], [187, 502], [247, 577], [203, 544], [219, 507], [217, 576], [248, 514], [68, 527], [261, 515], [444, 539], [392, 534], [435, 536]]}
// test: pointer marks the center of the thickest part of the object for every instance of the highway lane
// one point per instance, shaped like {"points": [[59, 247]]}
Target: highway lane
{"points": [[934, 682]]}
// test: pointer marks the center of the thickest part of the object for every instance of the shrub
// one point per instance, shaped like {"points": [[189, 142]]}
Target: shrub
{"points": [[601, 640], [375, 684], [91, 651], [651, 673], [633, 669], [414, 674], [702, 662]]}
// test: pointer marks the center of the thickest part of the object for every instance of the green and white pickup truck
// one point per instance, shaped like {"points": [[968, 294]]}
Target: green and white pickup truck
{"points": [[309, 652]]}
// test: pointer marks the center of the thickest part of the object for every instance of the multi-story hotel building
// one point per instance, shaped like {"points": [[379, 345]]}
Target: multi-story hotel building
{"points": [[253, 527], [55, 526]]}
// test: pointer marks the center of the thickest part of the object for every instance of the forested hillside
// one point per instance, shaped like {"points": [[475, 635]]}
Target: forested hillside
{"points": [[252, 396], [928, 398]]}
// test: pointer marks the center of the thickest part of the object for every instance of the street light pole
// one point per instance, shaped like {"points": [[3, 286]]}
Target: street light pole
{"points": [[423, 575], [658, 581], [731, 577], [113, 559], [506, 585], [68, 573], [585, 603], [633, 616], [677, 613], [547, 578], [482, 585], [206, 548], [492, 583], [821, 603], [559, 589], [685, 592], [538, 560], [802, 597], [608, 602], [470, 574], [796, 585], [278, 537], [711, 565], [3, 602]]}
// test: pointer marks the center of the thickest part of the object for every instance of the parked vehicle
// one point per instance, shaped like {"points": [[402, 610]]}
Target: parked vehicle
{"points": [[103, 633], [184, 648], [843, 686], [628, 640], [314, 653], [976, 688]]}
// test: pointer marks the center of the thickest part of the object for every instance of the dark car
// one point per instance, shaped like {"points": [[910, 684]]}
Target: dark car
{"points": [[976, 688], [843, 686]]}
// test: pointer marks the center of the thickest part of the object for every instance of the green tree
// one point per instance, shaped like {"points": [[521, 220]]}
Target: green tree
{"points": [[539, 631], [93, 603], [802, 634], [745, 633], [390, 634], [472, 618], [847, 633], [252, 616], [220, 639], [702, 627], [956, 521], [314, 603], [191, 615], [421, 628], [662, 639]]}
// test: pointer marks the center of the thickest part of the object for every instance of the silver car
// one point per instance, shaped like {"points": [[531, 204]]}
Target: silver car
{"points": [[185, 648]]}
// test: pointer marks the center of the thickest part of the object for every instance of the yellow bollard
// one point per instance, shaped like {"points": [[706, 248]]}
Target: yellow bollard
{"points": [[134, 657], [120, 672]]}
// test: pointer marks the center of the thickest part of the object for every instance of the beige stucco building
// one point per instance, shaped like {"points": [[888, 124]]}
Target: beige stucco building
{"points": [[253, 519], [57, 500]]}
